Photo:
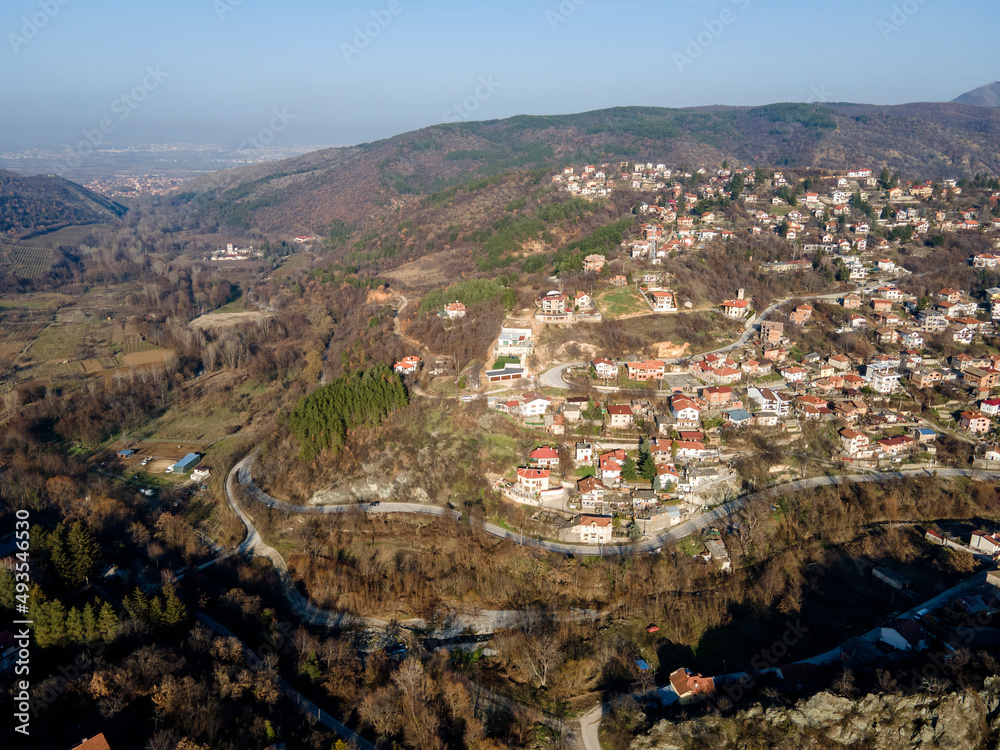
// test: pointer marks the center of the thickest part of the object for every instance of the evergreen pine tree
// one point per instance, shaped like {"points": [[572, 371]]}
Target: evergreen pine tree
{"points": [[90, 631], [58, 555], [74, 626], [107, 622], [50, 624], [83, 552], [136, 605], [154, 613], [174, 611], [7, 589]]}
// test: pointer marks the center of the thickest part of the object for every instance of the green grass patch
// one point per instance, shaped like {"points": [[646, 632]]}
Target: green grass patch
{"points": [[237, 305], [585, 471], [690, 547], [619, 302], [503, 361]]}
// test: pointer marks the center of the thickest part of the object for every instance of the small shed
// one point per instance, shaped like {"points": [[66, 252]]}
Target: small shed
{"points": [[126, 453], [891, 578]]}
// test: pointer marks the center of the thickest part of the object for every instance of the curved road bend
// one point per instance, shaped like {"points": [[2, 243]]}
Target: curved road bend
{"points": [[241, 471], [482, 621]]}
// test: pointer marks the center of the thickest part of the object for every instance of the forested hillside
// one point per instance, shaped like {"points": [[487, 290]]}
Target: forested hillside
{"points": [[35, 204], [316, 191]]}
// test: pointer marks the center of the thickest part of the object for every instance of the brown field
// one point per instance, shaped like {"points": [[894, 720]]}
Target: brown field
{"points": [[154, 357], [91, 366], [431, 270], [225, 320]]}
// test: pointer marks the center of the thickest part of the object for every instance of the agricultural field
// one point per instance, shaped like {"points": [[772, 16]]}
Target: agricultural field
{"points": [[79, 344], [72, 235], [73, 341], [23, 261], [14, 337], [34, 302]]}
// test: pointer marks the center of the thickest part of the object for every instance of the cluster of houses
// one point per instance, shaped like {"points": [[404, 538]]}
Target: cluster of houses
{"points": [[823, 217], [232, 252], [603, 494], [894, 317], [558, 307]]}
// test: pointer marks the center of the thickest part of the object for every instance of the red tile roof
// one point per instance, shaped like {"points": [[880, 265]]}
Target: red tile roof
{"points": [[97, 742]]}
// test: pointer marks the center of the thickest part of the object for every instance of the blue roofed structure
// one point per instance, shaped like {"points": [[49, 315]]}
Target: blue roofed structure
{"points": [[185, 464]]}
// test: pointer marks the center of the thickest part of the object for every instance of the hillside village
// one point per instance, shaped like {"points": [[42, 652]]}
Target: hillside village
{"points": [[644, 444]]}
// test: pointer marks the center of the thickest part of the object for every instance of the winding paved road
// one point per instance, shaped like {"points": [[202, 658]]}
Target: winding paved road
{"points": [[480, 621], [241, 472]]}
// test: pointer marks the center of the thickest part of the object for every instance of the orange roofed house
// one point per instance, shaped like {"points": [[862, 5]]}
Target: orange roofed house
{"points": [[98, 742], [407, 365], [454, 310], [691, 688], [533, 480], [544, 458], [735, 308], [649, 370], [974, 421]]}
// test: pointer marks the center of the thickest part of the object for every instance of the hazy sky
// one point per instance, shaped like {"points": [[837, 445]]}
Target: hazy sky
{"points": [[328, 72]]}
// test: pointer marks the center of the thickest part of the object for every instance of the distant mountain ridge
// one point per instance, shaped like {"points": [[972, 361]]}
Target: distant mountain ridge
{"points": [[314, 192], [984, 96], [43, 202]]}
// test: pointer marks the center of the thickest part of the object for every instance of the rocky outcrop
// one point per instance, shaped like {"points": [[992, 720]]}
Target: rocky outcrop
{"points": [[967, 720], [373, 487]]}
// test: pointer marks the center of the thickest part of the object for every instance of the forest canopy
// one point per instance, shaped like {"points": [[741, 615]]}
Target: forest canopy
{"points": [[321, 420]]}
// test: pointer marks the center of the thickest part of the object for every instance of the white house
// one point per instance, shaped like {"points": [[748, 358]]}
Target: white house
{"points": [[984, 542], [771, 401], [605, 368], [663, 301], [593, 529]]}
